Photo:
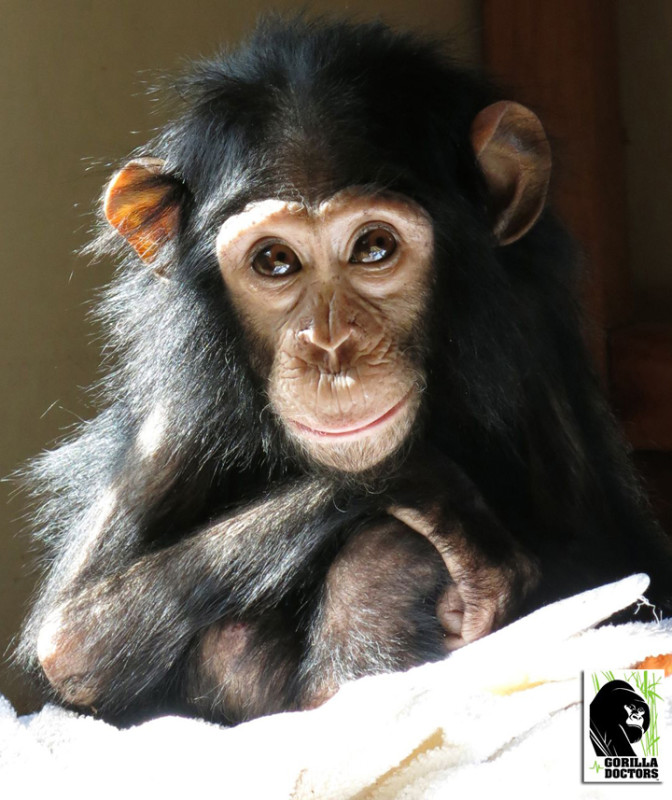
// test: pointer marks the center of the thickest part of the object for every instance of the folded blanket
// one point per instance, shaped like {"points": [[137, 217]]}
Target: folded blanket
{"points": [[502, 715]]}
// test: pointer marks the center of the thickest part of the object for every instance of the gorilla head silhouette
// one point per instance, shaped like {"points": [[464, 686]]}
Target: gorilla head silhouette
{"points": [[618, 717]]}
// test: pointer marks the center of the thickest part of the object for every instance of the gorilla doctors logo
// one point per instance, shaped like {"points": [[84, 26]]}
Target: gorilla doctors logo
{"points": [[620, 724]]}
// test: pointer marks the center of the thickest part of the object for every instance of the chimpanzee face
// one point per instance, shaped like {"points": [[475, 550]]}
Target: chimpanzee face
{"points": [[333, 297]]}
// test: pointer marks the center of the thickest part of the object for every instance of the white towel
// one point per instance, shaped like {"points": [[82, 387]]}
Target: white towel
{"points": [[502, 715]]}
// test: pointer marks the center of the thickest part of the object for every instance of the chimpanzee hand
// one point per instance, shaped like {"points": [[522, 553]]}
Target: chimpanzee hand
{"points": [[490, 573]]}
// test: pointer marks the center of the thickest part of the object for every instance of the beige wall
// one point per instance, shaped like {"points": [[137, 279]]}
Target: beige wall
{"points": [[71, 92], [645, 42]]}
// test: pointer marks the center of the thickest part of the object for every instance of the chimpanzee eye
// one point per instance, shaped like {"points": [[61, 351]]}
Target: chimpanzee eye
{"points": [[276, 261], [372, 246]]}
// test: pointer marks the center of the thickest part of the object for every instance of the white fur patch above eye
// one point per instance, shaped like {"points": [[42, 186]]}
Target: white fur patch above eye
{"points": [[255, 214], [151, 433]]}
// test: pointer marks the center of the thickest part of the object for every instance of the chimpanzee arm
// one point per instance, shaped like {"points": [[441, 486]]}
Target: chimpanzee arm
{"points": [[107, 640], [434, 573], [387, 602]]}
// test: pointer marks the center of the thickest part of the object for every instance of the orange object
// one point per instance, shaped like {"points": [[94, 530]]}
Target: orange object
{"points": [[657, 662]]}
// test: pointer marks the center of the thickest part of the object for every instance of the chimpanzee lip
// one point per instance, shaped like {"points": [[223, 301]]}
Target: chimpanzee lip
{"points": [[357, 430]]}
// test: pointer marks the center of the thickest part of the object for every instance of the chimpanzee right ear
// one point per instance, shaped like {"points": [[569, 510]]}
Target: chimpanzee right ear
{"points": [[143, 203]]}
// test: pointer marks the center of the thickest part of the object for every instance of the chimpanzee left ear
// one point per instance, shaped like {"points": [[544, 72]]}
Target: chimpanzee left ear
{"points": [[514, 155], [143, 203]]}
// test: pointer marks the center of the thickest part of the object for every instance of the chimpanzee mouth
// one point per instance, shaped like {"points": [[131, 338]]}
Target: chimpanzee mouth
{"points": [[355, 431]]}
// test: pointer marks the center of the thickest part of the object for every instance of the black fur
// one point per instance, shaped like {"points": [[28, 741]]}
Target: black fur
{"points": [[303, 110]]}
